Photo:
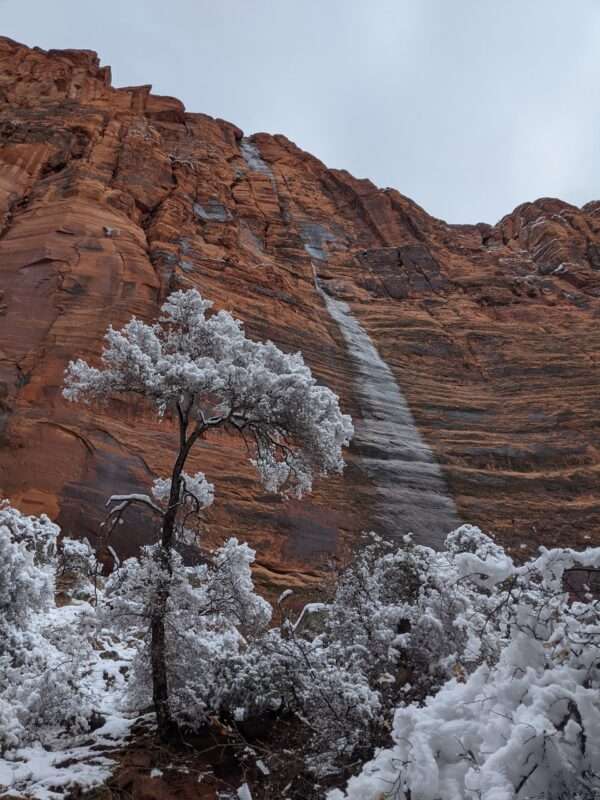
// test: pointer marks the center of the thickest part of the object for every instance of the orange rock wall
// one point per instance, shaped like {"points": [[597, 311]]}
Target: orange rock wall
{"points": [[110, 198]]}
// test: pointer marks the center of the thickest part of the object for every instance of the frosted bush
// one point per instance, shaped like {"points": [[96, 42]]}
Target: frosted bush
{"points": [[27, 547], [77, 569], [41, 658], [458, 673], [394, 629], [522, 719]]}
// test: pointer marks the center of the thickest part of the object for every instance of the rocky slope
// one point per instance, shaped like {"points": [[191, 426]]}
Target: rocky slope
{"points": [[482, 403]]}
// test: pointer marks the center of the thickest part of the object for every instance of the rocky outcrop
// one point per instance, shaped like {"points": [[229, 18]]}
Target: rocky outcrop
{"points": [[110, 198]]}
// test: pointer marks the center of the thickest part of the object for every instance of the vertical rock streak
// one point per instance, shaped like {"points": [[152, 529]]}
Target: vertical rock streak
{"points": [[252, 157], [412, 496]]}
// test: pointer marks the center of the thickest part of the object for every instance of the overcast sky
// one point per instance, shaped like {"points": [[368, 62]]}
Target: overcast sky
{"points": [[469, 107]]}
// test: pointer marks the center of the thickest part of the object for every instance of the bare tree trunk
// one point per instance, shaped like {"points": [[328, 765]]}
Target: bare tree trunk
{"points": [[158, 643], [160, 685]]}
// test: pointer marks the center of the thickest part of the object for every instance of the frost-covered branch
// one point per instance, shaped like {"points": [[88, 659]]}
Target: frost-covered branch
{"points": [[119, 502]]}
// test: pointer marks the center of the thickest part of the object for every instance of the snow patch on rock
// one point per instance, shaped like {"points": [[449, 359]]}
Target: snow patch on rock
{"points": [[252, 157], [411, 490]]}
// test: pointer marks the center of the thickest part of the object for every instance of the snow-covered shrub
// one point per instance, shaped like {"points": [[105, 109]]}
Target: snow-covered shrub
{"points": [[467, 675], [395, 607], [294, 676], [40, 655], [212, 611], [77, 568], [393, 630], [520, 719], [27, 548]]}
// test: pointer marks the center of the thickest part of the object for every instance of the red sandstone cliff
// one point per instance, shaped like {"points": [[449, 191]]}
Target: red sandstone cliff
{"points": [[110, 198]]}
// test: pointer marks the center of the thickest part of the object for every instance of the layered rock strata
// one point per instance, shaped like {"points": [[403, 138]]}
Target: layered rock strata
{"points": [[411, 494], [110, 198]]}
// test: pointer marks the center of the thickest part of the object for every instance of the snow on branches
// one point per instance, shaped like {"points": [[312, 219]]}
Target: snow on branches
{"points": [[40, 658], [195, 490], [484, 673], [27, 546], [518, 718], [204, 370], [455, 675], [211, 612]]}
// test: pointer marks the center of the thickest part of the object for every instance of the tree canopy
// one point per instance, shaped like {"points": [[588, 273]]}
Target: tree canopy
{"points": [[206, 371]]}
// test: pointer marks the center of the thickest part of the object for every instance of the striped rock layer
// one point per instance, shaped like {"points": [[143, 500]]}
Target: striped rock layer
{"points": [[468, 355]]}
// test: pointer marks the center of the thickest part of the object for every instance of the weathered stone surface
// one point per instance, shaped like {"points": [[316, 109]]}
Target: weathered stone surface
{"points": [[110, 198]]}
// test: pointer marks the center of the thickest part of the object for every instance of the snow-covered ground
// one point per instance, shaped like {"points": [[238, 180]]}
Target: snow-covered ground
{"points": [[49, 770]]}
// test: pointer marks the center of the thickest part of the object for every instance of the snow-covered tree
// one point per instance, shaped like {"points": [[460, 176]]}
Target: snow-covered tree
{"points": [[212, 613], [204, 372]]}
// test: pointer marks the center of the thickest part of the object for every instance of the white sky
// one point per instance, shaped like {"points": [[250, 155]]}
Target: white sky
{"points": [[469, 107]]}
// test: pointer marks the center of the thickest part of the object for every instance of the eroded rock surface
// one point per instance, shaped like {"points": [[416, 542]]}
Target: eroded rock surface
{"points": [[110, 198]]}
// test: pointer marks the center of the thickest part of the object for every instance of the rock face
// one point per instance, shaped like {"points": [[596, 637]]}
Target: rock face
{"points": [[490, 336]]}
